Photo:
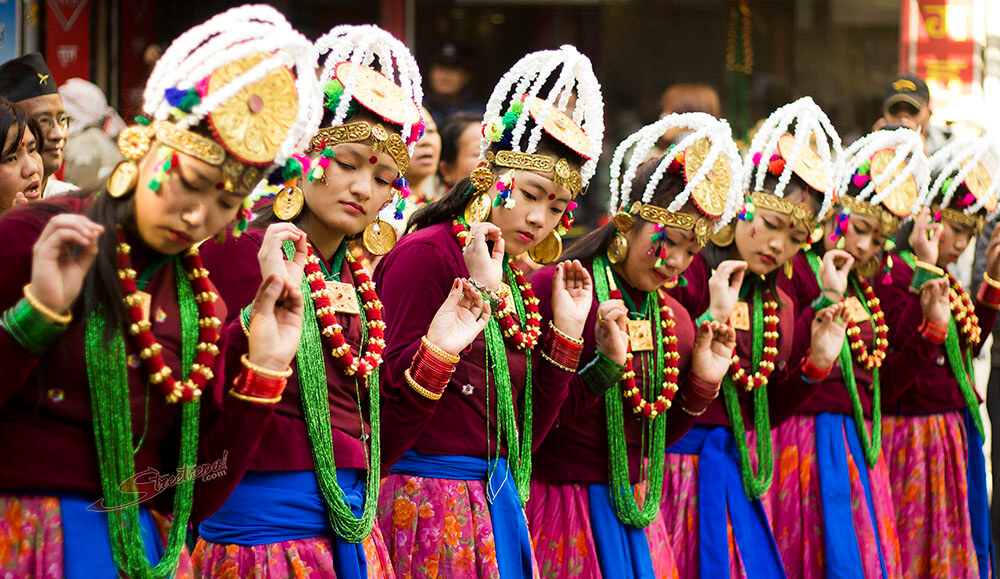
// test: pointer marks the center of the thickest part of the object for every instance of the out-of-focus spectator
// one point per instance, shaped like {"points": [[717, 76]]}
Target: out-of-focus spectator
{"points": [[686, 97], [422, 173], [448, 81], [460, 135], [91, 152], [20, 161], [907, 103], [27, 82]]}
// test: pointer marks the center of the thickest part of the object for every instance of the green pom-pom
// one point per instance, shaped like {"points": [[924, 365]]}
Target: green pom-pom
{"points": [[291, 170], [190, 100], [510, 119], [154, 184], [316, 173], [401, 204], [516, 107], [947, 184], [863, 168], [328, 153], [332, 91], [497, 201], [142, 120]]}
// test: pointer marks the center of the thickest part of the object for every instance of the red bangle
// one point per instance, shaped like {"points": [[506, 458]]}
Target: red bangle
{"points": [[933, 332], [254, 387], [698, 395], [430, 371], [989, 296], [812, 372], [561, 351], [703, 387]]}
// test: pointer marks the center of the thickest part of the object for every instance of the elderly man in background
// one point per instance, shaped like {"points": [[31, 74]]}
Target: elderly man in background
{"points": [[91, 152]]}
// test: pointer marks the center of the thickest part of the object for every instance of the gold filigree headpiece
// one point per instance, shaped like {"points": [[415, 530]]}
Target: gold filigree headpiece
{"points": [[236, 174], [976, 221], [375, 136], [701, 226], [802, 216], [888, 222], [562, 174]]}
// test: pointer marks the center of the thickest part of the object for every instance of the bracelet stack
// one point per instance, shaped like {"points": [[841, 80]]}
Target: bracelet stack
{"points": [[922, 273], [601, 374], [560, 350], [431, 370], [33, 325], [812, 373], [989, 292], [258, 384], [699, 393], [933, 332]]}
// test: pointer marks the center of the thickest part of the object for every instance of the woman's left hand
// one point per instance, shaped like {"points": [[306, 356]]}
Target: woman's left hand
{"points": [[993, 255], [572, 296], [275, 323], [713, 351], [828, 330]]}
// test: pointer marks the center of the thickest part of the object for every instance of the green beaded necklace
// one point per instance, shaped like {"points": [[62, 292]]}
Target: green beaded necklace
{"points": [[959, 362], [872, 445], [107, 376], [754, 484], [314, 391], [652, 452]]}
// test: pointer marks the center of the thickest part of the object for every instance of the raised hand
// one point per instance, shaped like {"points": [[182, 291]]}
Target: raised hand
{"points": [[484, 266], [934, 302], [611, 333], [271, 256], [827, 335], [925, 236], [724, 288], [275, 323], [993, 255], [61, 258], [572, 296], [461, 318], [833, 272], [713, 351]]}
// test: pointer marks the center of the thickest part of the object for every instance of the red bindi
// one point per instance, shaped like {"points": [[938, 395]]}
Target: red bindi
{"points": [[753, 232], [219, 186], [373, 159], [552, 196]]}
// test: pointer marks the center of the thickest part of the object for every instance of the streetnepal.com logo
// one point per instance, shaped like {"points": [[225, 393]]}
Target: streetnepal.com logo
{"points": [[149, 483]]}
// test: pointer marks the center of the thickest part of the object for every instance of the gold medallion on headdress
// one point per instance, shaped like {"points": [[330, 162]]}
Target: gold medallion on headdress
{"points": [[710, 195], [377, 93], [900, 201], [253, 123], [559, 125], [809, 166], [978, 182]]}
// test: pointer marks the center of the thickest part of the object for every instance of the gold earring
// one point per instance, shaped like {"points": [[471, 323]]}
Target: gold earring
{"points": [[868, 268], [548, 251], [379, 238], [134, 143], [478, 209], [618, 248], [123, 179], [725, 236], [788, 269], [221, 237], [288, 203]]}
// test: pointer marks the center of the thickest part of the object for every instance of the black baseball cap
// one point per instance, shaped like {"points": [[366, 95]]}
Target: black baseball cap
{"points": [[453, 54], [26, 77], [909, 89]]}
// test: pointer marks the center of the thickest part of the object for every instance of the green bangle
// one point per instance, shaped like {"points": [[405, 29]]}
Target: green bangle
{"points": [[245, 318], [30, 328], [822, 302], [601, 373], [705, 317], [920, 277]]}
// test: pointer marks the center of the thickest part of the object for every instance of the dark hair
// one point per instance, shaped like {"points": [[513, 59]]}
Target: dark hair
{"points": [[451, 130], [596, 242], [453, 203], [10, 115]]}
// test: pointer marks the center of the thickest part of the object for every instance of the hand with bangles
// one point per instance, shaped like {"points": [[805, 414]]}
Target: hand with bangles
{"points": [[610, 333], [485, 266], [925, 236], [724, 288], [460, 319], [833, 272], [827, 335], [934, 302], [572, 295], [61, 258]]}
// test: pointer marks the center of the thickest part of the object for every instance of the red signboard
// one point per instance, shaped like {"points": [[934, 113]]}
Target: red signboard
{"points": [[937, 43], [67, 38]]}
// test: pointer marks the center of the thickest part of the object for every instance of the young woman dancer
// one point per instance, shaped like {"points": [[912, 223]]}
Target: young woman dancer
{"points": [[932, 433], [713, 481], [113, 347], [639, 344], [840, 517], [452, 506]]}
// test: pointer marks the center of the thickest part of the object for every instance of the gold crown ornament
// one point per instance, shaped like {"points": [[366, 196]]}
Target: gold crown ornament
{"points": [[809, 166]]}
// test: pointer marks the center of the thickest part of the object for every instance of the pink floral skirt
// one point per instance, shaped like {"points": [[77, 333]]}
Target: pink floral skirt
{"points": [[435, 527], [559, 521], [797, 505]]}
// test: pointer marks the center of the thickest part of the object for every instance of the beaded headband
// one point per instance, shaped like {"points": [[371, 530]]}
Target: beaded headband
{"points": [[375, 136], [708, 159], [701, 226], [963, 191]]}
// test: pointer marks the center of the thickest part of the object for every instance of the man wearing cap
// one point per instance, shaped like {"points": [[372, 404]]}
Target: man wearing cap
{"points": [[908, 104], [27, 83], [449, 87]]}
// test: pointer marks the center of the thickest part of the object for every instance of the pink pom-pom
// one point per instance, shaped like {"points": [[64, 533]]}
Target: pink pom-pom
{"points": [[202, 87], [775, 157], [859, 180], [416, 131], [756, 158]]}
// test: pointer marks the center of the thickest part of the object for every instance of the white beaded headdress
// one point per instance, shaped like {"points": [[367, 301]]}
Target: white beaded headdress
{"points": [[969, 166], [813, 132], [226, 39], [889, 167], [520, 89], [707, 140]]}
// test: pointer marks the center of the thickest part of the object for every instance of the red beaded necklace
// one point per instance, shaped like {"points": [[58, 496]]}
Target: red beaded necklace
{"points": [[630, 390], [333, 332], [770, 351], [881, 343], [512, 333], [150, 351], [964, 312]]}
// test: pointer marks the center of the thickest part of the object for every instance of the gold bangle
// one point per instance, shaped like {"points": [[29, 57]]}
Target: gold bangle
{"points": [[420, 389], [436, 350], [928, 267], [548, 359], [990, 281], [266, 373], [255, 400], [577, 341], [56, 318]]}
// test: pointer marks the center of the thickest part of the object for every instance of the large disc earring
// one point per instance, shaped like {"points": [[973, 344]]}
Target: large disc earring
{"points": [[288, 203], [478, 209], [379, 237], [618, 248], [123, 179], [868, 268], [548, 251], [725, 236]]}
